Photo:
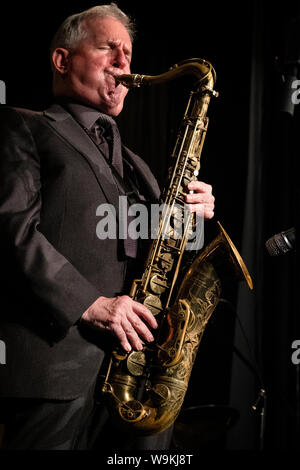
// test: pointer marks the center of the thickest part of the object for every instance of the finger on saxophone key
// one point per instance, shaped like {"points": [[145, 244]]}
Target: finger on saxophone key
{"points": [[125, 318]]}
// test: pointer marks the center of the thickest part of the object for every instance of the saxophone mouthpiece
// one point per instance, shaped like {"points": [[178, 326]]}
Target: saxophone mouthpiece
{"points": [[130, 80]]}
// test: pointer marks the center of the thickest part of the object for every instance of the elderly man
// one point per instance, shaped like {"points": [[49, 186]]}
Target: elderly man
{"points": [[63, 289]]}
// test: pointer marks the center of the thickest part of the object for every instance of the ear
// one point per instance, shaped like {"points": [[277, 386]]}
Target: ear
{"points": [[60, 60]]}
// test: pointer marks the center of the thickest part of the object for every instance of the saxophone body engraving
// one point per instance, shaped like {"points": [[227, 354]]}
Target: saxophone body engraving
{"points": [[146, 389]]}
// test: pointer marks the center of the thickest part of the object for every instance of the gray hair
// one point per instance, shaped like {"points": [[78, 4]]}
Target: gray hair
{"points": [[72, 29]]}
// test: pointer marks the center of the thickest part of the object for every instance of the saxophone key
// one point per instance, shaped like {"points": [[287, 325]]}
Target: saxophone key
{"points": [[172, 244], [187, 179], [158, 284], [160, 392], [153, 302], [136, 363], [165, 261], [180, 198], [132, 411], [193, 160]]}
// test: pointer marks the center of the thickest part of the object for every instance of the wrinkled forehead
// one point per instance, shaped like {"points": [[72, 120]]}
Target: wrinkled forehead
{"points": [[106, 28]]}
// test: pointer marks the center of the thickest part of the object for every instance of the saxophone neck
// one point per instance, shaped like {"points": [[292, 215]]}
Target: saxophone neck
{"points": [[200, 68]]}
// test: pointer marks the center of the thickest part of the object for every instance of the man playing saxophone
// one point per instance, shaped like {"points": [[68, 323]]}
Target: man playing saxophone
{"points": [[63, 288]]}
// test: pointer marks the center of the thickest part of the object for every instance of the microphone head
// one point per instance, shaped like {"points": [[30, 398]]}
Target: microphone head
{"points": [[281, 243], [275, 246]]}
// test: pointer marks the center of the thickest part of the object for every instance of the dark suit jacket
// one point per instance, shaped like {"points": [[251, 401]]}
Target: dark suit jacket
{"points": [[53, 265]]}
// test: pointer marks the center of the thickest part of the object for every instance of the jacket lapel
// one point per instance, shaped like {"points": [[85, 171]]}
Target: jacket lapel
{"points": [[149, 183], [68, 128]]}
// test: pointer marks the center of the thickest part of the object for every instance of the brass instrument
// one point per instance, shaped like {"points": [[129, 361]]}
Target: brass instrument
{"points": [[145, 389]]}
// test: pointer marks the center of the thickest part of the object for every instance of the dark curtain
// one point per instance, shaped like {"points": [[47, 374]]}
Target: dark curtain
{"points": [[267, 320]]}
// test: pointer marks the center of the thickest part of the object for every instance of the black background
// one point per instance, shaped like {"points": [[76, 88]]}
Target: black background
{"points": [[221, 32]]}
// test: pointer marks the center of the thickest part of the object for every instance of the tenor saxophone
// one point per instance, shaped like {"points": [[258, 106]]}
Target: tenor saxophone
{"points": [[145, 389]]}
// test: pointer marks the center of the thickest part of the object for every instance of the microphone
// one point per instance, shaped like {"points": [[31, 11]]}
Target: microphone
{"points": [[282, 242]]}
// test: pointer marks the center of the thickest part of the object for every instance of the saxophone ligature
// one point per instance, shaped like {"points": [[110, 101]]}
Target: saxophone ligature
{"points": [[145, 389]]}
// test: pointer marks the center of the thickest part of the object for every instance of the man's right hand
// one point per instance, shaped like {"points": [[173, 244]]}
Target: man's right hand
{"points": [[123, 317]]}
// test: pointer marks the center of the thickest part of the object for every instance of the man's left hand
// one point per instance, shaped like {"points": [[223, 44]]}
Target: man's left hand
{"points": [[202, 200]]}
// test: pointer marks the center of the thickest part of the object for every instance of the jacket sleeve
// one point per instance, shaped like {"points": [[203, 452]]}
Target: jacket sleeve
{"points": [[53, 281]]}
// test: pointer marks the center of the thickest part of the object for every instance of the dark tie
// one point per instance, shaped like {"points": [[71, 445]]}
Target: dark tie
{"points": [[105, 134]]}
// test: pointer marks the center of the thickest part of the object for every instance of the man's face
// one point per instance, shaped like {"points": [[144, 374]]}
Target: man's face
{"points": [[95, 61]]}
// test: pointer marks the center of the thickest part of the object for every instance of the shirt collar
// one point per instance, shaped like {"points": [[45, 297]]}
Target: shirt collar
{"points": [[84, 114]]}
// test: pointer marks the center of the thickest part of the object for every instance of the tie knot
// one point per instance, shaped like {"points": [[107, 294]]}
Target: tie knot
{"points": [[106, 130], [106, 122]]}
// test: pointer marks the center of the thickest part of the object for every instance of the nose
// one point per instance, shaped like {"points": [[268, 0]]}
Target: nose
{"points": [[119, 58]]}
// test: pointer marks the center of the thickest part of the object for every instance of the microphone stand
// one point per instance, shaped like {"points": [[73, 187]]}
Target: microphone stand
{"points": [[261, 401], [261, 404]]}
